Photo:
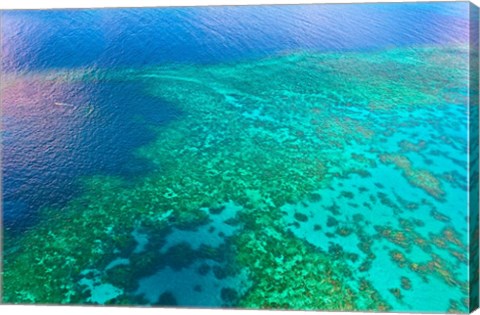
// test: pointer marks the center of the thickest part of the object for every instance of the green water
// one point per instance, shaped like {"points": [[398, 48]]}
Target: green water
{"points": [[301, 181]]}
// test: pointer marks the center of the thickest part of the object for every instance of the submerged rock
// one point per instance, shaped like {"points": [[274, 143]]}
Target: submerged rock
{"points": [[300, 217], [229, 295], [167, 299]]}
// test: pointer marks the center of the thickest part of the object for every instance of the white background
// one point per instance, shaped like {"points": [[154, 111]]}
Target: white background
{"points": [[53, 310]]}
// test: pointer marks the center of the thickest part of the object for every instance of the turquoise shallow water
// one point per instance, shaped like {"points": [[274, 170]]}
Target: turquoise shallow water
{"points": [[361, 208], [278, 173]]}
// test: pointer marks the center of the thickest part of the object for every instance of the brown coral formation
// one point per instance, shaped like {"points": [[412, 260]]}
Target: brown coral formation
{"points": [[414, 147], [417, 177]]}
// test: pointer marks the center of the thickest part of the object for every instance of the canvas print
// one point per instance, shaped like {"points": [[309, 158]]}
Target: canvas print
{"points": [[304, 157]]}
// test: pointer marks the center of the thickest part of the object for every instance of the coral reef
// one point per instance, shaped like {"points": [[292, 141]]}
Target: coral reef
{"points": [[417, 177], [291, 143]]}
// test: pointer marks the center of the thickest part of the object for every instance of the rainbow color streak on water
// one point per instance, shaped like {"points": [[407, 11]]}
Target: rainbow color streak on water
{"points": [[310, 157]]}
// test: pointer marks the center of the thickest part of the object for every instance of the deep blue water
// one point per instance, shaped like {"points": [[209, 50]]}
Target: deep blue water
{"points": [[46, 148], [132, 37]]}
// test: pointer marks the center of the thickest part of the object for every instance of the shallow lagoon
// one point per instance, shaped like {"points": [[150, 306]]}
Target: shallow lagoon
{"points": [[300, 179]]}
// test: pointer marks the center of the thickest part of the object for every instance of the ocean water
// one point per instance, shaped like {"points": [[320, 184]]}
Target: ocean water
{"points": [[274, 157]]}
